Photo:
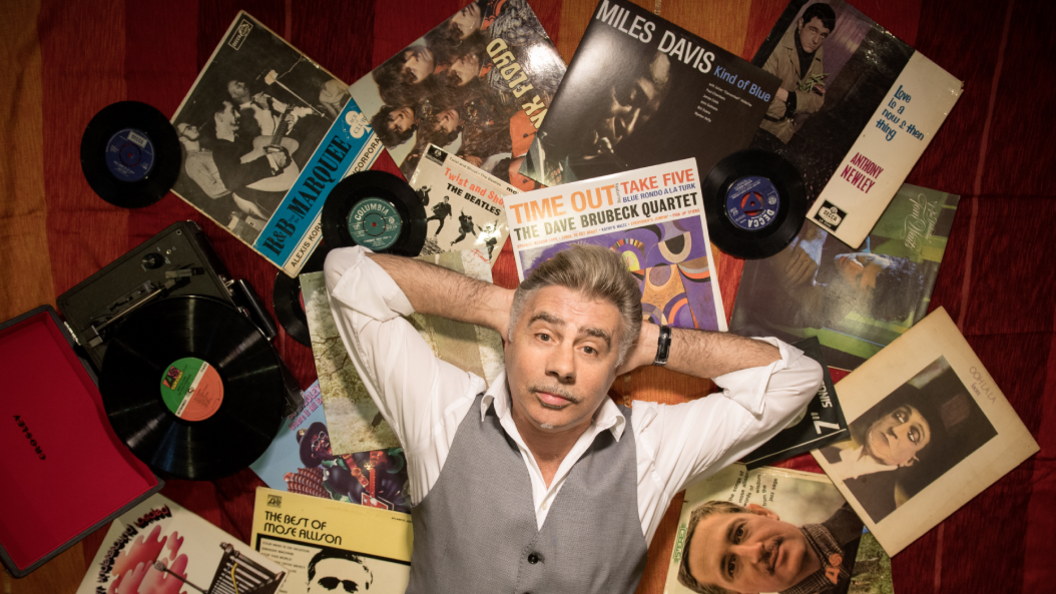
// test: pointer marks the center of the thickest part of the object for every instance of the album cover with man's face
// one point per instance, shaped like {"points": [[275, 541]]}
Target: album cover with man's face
{"points": [[643, 91]]}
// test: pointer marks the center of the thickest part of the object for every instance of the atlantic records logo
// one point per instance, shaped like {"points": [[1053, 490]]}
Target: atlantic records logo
{"points": [[274, 501], [240, 34], [829, 216]]}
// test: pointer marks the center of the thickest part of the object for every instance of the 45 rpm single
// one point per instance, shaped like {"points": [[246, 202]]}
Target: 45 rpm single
{"points": [[192, 387], [755, 203], [376, 210], [130, 154]]}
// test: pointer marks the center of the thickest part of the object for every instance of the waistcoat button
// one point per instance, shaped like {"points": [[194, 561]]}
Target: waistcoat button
{"points": [[533, 558]]}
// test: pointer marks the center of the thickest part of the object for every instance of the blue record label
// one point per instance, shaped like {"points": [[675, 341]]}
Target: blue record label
{"points": [[752, 203], [130, 155]]}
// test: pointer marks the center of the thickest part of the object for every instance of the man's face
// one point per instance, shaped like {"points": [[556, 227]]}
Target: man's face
{"points": [[419, 62], [465, 68], [895, 438], [238, 91], [448, 121], [631, 104], [321, 446], [189, 132], [750, 552], [860, 269], [229, 116], [401, 118], [467, 21], [339, 575], [812, 34], [561, 359]]}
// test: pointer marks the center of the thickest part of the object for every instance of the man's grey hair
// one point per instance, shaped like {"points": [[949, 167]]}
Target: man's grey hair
{"points": [[597, 273], [709, 508]]}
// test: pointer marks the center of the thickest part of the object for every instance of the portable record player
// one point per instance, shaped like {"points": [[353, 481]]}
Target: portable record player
{"points": [[177, 262], [65, 472]]}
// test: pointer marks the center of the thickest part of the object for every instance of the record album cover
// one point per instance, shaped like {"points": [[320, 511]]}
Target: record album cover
{"points": [[300, 460], [356, 424], [856, 109], [450, 187], [329, 546], [642, 91], [855, 301], [817, 425], [478, 85], [653, 217], [929, 430], [265, 134], [801, 534], [161, 547]]}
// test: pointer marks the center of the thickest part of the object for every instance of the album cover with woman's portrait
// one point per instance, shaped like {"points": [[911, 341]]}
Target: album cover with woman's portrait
{"points": [[929, 430]]}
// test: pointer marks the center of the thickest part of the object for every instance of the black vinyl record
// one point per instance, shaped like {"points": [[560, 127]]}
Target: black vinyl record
{"points": [[755, 203], [192, 387], [286, 296], [376, 210], [130, 154]]}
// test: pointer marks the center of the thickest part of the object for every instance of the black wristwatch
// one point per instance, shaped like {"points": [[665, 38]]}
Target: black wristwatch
{"points": [[663, 346]]}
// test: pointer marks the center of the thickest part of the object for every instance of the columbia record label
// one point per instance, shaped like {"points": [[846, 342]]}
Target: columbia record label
{"points": [[755, 203], [130, 154], [376, 210], [193, 387]]}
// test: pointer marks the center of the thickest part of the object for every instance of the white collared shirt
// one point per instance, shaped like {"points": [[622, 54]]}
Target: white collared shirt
{"points": [[425, 399]]}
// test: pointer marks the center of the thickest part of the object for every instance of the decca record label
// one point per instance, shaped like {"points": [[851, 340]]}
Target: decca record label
{"points": [[129, 155], [752, 203], [374, 223]]}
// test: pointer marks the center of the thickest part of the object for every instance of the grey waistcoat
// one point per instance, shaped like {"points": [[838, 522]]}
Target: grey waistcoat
{"points": [[476, 530]]}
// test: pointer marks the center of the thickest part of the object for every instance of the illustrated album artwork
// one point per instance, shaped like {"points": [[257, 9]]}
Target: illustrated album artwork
{"points": [[300, 460], [653, 217], [354, 421], [855, 111], [802, 510], [642, 91], [856, 301], [329, 546], [464, 204], [929, 430], [478, 85], [160, 546], [265, 134]]}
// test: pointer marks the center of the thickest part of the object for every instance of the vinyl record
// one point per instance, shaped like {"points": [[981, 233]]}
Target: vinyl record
{"points": [[755, 203], [192, 387], [286, 296], [376, 210], [130, 154]]}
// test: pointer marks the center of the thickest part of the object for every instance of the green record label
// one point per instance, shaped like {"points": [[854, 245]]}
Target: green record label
{"points": [[192, 389], [374, 223]]}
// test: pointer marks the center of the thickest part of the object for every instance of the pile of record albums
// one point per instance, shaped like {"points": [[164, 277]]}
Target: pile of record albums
{"points": [[685, 147]]}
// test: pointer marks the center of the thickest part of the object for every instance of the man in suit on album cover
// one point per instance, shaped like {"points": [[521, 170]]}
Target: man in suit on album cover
{"points": [[735, 549], [797, 61]]}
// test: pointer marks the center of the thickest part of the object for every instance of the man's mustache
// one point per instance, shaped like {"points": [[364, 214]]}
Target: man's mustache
{"points": [[557, 391]]}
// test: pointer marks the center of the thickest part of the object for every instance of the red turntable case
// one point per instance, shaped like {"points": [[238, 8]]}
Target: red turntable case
{"points": [[65, 473]]}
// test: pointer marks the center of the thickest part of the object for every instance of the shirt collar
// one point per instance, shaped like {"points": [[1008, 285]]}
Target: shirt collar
{"points": [[609, 417]]}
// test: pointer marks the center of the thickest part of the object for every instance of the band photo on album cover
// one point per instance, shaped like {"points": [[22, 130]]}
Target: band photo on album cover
{"points": [[478, 85], [250, 125]]}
